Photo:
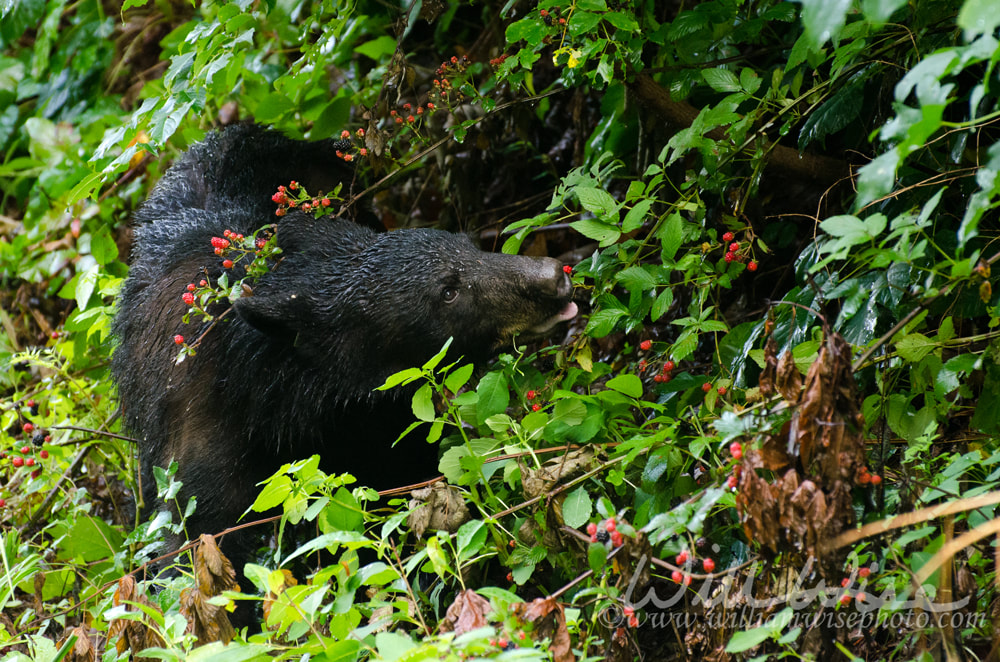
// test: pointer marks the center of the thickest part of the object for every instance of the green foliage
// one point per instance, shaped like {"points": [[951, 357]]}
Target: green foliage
{"points": [[696, 162]]}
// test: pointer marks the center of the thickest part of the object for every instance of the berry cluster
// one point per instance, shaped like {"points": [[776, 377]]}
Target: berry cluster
{"points": [[736, 450], [736, 252], [29, 456], [865, 478], [666, 370], [683, 559], [606, 531], [552, 18], [411, 115], [255, 253], [295, 196], [447, 88]]}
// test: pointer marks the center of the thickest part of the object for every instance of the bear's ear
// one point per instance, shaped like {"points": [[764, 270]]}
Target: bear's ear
{"points": [[272, 315]]}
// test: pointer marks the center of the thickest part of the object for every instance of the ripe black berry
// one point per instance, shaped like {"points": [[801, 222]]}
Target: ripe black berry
{"points": [[38, 439]]}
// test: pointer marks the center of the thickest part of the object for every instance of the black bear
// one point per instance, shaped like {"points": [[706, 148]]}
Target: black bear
{"points": [[291, 370]]}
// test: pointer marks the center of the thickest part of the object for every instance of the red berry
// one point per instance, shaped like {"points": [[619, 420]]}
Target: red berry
{"points": [[645, 345], [28, 427], [628, 611], [610, 524], [220, 243], [179, 339], [292, 185], [30, 462], [659, 379], [593, 538], [845, 582], [642, 365], [430, 106], [736, 449], [17, 461], [860, 597], [733, 247], [567, 269], [752, 266], [730, 257], [876, 479], [721, 390], [845, 599], [616, 538], [530, 395], [706, 387], [510, 576], [36, 473], [731, 482], [535, 407], [411, 119], [864, 572], [30, 404], [25, 450], [191, 287], [363, 152], [188, 298], [44, 455], [203, 282], [683, 557], [708, 564], [345, 134], [633, 621], [227, 264], [543, 13], [325, 202], [668, 366], [687, 579], [729, 236], [562, 21], [2, 503], [677, 576], [864, 478], [592, 529]]}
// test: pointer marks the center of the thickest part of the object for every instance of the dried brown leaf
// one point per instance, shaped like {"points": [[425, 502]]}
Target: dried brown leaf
{"points": [[206, 621], [537, 482], [467, 612], [132, 635], [788, 379], [549, 620], [442, 509], [82, 650], [770, 371], [214, 571]]}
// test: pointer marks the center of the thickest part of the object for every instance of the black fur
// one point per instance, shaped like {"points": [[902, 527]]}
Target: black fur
{"points": [[290, 371]]}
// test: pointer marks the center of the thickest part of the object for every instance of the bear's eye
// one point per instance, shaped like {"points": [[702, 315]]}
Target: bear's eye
{"points": [[449, 294]]}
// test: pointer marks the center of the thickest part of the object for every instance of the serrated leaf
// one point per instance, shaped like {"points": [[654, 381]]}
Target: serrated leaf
{"points": [[915, 346], [604, 322], [662, 304], [636, 215], [593, 229], [637, 279], [598, 202], [722, 80], [494, 396]]}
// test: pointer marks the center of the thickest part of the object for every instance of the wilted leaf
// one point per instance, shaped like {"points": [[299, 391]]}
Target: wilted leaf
{"points": [[441, 508], [467, 612], [82, 649]]}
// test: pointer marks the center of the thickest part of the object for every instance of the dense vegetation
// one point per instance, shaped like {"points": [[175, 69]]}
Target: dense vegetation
{"points": [[775, 430]]}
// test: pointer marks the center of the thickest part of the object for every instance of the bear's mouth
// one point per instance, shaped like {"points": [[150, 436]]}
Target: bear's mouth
{"points": [[568, 312]]}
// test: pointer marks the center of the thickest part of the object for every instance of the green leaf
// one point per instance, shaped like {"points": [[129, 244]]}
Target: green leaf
{"points": [[273, 107], [593, 229], [597, 556], [273, 494], [637, 279], [636, 215], [458, 378], [604, 322], [662, 304], [568, 411], [598, 202], [577, 508], [630, 385], [423, 404], [377, 48], [824, 19], [877, 178], [915, 346], [880, 11], [343, 514], [85, 283], [102, 246], [744, 641], [470, 538], [494, 396], [978, 17], [722, 80]]}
